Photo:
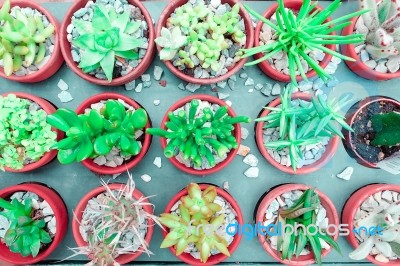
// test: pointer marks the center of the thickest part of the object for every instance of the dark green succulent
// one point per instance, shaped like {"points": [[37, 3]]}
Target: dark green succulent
{"points": [[387, 129], [95, 133]]}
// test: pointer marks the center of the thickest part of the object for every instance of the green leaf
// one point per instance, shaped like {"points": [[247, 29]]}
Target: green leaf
{"points": [[125, 143], [387, 128], [121, 21], [84, 150], [85, 41], [34, 248], [66, 156], [107, 64], [139, 118], [127, 42], [95, 121], [130, 54], [100, 20], [101, 147], [90, 58], [82, 26], [45, 237], [132, 27]]}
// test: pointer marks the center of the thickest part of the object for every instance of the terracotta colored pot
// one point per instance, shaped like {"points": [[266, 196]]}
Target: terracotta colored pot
{"points": [[213, 259], [105, 170], [265, 66], [134, 74], [236, 133], [80, 208], [358, 66], [306, 169], [350, 209], [48, 156], [56, 59], [60, 212], [266, 200], [351, 116], [170, 8]]}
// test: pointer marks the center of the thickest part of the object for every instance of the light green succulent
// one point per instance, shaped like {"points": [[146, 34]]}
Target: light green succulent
{"points": [[171, 41]]}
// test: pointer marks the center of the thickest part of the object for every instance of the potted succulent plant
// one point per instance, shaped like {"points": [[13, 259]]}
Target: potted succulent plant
{"points": [[199, 41], [375, 206], [31, 147], [307, 39], [113, 224], [291, 206], [33, 222], [378, 57], [308, 134], [30, 47], [375, 124], [108, 42], [200, 134], [106, 133], [186, 218]]}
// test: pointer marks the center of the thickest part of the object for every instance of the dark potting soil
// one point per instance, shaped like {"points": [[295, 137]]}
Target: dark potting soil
{"points": [[364, 133]]}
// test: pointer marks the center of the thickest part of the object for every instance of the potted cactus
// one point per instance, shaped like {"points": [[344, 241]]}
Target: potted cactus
{"points": [[33, 222], [200, 134], [298, 133], [303, 208], [375, 133], [31, 147], [378, 57], [185, 224], [113, 224], [30, 48], [106, 133], [307, 39], [122, 40], [375, 206], [199, 41]]}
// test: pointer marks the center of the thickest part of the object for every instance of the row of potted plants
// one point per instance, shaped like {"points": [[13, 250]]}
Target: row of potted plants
{"points": [[200, 41], [114, 224]]}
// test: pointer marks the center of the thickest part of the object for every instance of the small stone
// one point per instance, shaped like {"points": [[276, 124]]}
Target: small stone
{"points": [[267, 89], [233, 77], [222, 84], [225, 185], [381, 258], [158, 72], [192, 87], [332, 82], [139, 87], [258, 86], [318, 84], [371, 64], [319, 55], [251, 160], [101, 160], [331, 68], [381, 68], [387, 195], [243, 150], [244, 132], [309, 155], [62, 85], [157, 162], [364, 56], [130, 86], [392, 66], [146, 178], [276, 89], [181, 86], [231, 84], [358, 48], [305, 85], [146, 84], [156, 102], [249, 82], [229, 103], [243, 75], [145, 77], [252, 172], [250, 90], [65, 96], [274, 206], [222, 95], [163, 83]]}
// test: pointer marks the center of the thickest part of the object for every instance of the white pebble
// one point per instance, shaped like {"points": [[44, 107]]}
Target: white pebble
{"points": [[157, 162], [244, 132], [252, 172], [251, 160], [62, 85], [65, 96], [146, 178], [156, 102]]}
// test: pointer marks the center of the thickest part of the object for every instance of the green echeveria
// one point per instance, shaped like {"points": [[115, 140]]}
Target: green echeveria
{"points": [[24, 133]]}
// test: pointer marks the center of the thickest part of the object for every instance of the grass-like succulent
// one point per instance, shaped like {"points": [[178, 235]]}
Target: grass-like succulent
{"points": [[204, 34], [25, 136], [95, 133], [199, 133], [302, 212], [304, 123], [105, 39], [197, 208], [26, 233], [386, 128], [300, 32], [22, 39]]}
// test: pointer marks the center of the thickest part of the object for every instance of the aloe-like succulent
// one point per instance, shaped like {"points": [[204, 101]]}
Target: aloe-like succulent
{"points": [[387, 129], [107, 37], [22, 39], [199, 133], [304, 123], [307, 30], [26, 233], [197, 208], [95, 133], [25, 136]]}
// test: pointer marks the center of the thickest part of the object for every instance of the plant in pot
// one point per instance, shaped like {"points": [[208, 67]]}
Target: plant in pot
{"points": [[200, 41], [295, 39], [375, 124], [295, 223], [25, 136], [375, 206], [196, 220], [33, 222], [378, 55], [29, 43], [108, 42], [199, 134], [298, 133], [108, 133], [113, 224]]}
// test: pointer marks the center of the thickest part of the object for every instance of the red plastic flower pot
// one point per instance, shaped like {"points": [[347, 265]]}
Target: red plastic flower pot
{"points": [[80, 208], [105, 170], [351, 115], [265, 66], [48, 156], [134, 74], [350, 210], [60, 213], [213, 259], [358, 66], [56, 59], [170, 8], [326, 156], [236, 133], [331, 214]]}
